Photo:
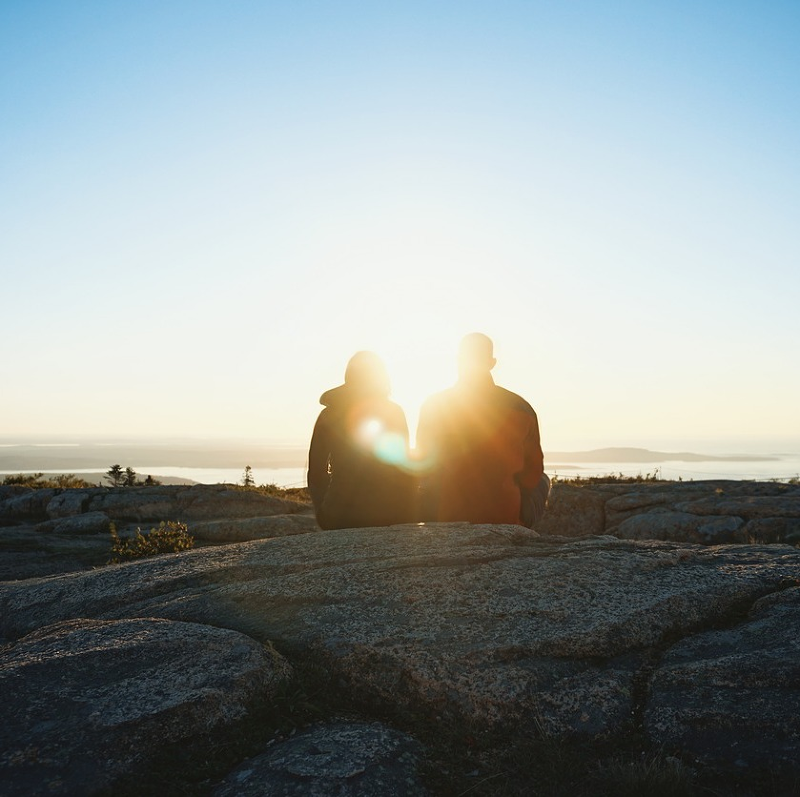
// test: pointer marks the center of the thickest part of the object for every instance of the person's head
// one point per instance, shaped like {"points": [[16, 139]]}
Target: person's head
{"points": [[366, 373], [475, 356]]}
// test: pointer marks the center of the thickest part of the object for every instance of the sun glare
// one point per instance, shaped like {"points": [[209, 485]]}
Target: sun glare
{"points": [[418, 369]]}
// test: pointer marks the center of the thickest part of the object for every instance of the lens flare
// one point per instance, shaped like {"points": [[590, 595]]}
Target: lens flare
{"points": [[369, 432], [390, 447]]}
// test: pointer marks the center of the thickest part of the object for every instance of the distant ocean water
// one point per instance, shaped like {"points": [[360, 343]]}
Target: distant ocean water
{"points": [[52, 457], [783, 469], [282, 477]]}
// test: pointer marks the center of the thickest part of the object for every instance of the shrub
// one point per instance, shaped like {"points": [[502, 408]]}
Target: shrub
{"points": [[37, 480], [169, 537], [654, 774], [24, 479], [299, 494]]}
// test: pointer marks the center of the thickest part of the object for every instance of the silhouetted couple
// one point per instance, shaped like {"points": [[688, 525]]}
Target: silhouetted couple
{"points": [[478, 459]]}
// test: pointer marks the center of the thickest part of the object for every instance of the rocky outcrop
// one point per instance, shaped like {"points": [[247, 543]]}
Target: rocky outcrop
{"points": [[482, 631], [199, 502], [29, 505], [491, 626], [86, 703], [34, 523], [664, 524], [712, 513]]}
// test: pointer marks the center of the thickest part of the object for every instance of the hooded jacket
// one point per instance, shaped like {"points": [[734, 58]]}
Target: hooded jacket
{"points": [[355, 462]]}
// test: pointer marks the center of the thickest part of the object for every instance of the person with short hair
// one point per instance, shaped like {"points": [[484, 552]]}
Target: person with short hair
{"points": [[481, 447], [357, 461]]}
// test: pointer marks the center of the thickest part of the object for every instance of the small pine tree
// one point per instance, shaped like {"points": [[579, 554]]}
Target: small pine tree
{"points": [[115, 476], [130, 477], [247, 477]]}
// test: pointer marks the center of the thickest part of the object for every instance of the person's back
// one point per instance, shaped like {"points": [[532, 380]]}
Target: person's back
{"points": [[482, 444], [351, 476]]}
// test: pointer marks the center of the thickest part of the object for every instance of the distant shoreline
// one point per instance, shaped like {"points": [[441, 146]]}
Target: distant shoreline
{"points": [[644, 455]]}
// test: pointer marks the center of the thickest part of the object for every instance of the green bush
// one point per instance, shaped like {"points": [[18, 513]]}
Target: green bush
{"points": [[169, 537]]}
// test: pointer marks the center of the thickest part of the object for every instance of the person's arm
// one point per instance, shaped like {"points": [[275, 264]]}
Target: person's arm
{"points": [[318, 456], [534, 458]]}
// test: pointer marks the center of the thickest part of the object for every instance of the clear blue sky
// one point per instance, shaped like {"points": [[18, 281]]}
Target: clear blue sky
{"points": [[207, 207]]}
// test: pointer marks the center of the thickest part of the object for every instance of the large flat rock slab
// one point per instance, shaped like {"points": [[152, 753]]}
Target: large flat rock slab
{"points": [[490, 623], [87, 703]]}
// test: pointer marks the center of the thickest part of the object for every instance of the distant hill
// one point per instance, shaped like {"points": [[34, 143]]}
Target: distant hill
{"points": [[645, 455]]}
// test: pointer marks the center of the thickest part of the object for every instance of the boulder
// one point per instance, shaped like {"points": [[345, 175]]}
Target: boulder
{"points": [[258, 528], [748, 507], [347, 759], [204, 502], [573, 512], [666, 525], [137, 504], [29, 505], [88, 704], [640, 499], [87, 523], [773, 529], [198, 502], [712, 513], [731, 697], [68, 504], [12, 491]]}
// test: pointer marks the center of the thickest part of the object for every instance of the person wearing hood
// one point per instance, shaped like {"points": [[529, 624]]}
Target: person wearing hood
{"points": [[357, 461]]}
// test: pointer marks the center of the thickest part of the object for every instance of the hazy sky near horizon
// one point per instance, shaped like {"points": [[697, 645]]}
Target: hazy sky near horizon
{"points": [[206, 208]]}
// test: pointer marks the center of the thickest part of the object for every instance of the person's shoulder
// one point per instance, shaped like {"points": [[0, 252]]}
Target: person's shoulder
{"points": [[514, 400], [395, 408], [438, 400]]}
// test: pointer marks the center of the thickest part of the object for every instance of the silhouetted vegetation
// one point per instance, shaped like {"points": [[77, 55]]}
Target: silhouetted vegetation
{"points": [[117, 477], [617, 478], [62, 481], [288, 493]]}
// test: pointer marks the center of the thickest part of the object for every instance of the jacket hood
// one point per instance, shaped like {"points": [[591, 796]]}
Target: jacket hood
{"points": [[334, 396], [344, 394]]}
